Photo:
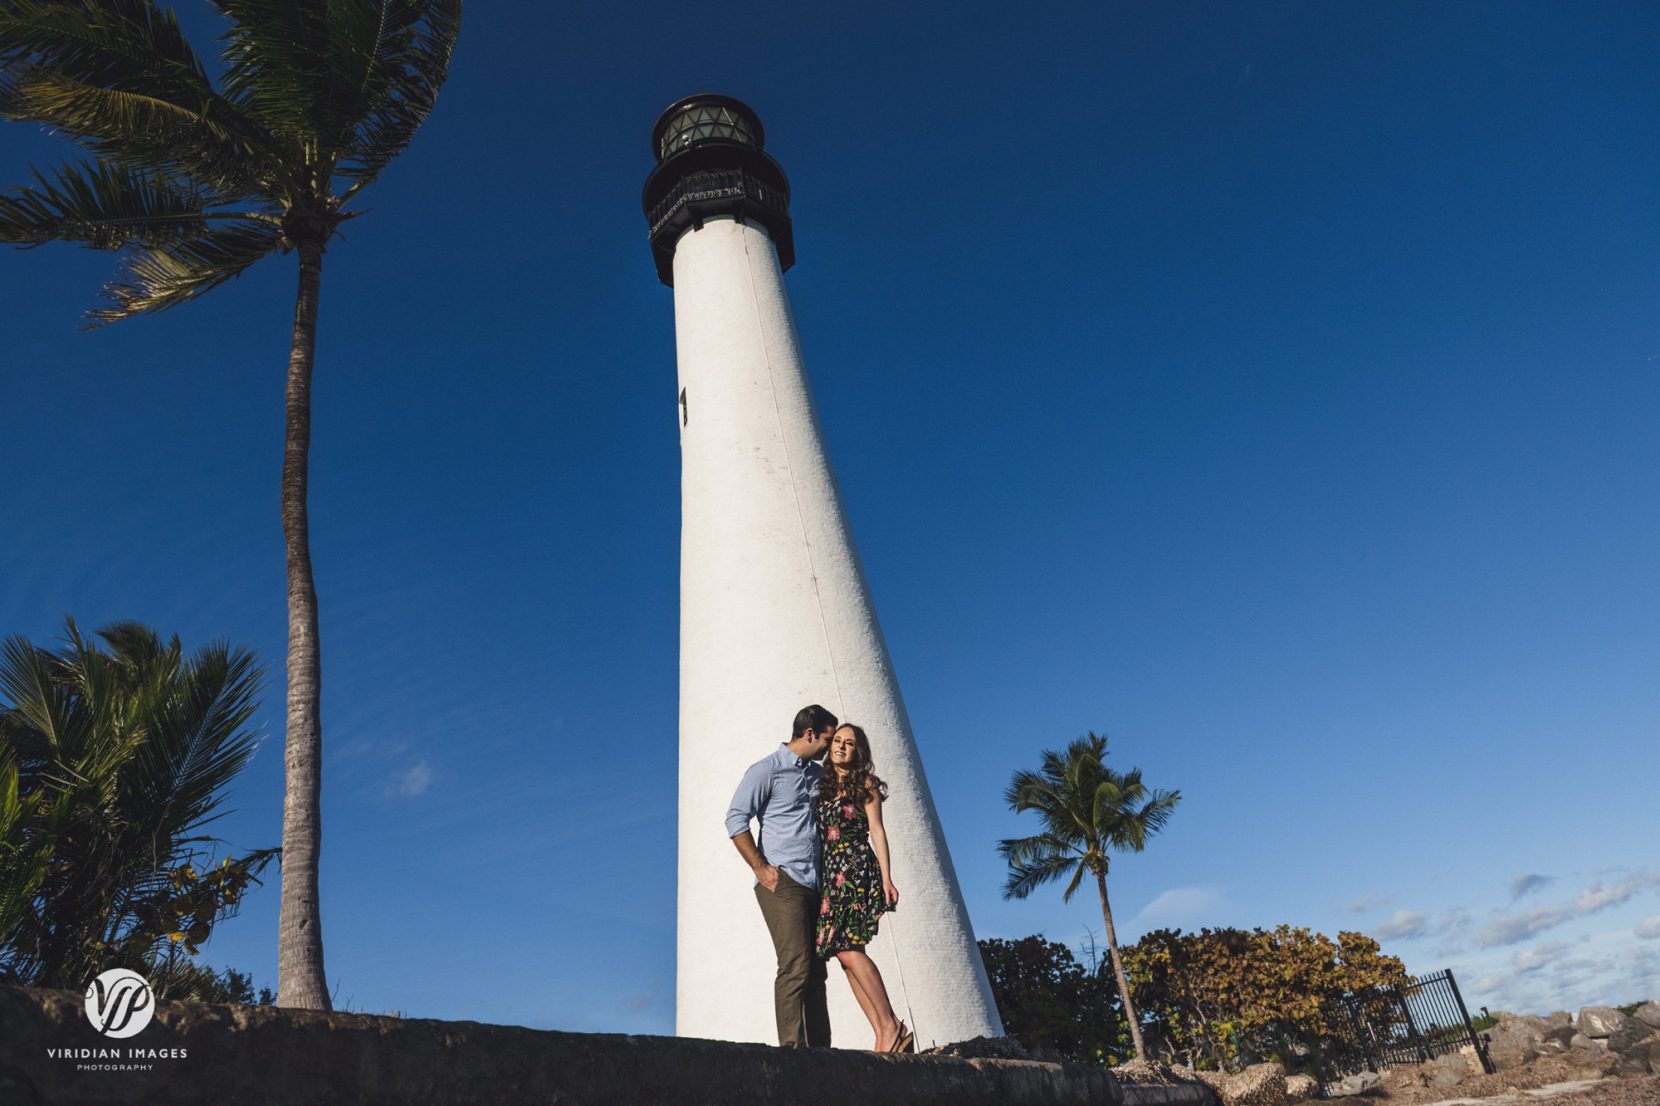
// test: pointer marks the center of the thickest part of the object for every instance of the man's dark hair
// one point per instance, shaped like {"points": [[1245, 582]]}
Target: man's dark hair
{"points": [[811, 720]]}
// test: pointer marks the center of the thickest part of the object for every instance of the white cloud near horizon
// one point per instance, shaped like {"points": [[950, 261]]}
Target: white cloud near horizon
{"points": [[1512, 929], [1178, 906], [1406, 925]]}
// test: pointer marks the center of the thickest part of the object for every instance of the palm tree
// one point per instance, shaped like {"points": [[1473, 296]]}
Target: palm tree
{"points": [[111, 764], [194, 179], [1088, 810]]}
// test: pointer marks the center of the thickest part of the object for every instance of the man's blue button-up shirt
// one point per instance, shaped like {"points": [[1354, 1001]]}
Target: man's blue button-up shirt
{"points": [[780, 790]]}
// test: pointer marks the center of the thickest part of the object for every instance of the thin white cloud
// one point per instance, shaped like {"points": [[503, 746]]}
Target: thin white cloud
{"points": [[1539, 956], [1367, 905], [414, 780], [1523, 884], [1512, 929], [1649, 928], [1406, 925], [1178, 906], [1600, 897], [1516, 928]]}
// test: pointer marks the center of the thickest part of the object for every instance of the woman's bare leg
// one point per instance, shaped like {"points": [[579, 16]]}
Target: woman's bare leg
{"points": [[868, 988], [859, 992]]}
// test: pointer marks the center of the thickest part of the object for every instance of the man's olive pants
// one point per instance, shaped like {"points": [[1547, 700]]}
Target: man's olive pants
{"points": [[798, 991]]}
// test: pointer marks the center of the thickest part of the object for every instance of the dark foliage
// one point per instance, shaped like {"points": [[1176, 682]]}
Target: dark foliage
{"points": [[1053, 1004]]}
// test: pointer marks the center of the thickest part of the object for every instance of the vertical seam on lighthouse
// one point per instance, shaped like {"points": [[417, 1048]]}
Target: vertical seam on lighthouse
{"points": [[789, 465]]}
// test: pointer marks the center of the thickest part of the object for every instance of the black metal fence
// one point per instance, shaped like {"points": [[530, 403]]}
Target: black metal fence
{"points": [[1389, 1026]]}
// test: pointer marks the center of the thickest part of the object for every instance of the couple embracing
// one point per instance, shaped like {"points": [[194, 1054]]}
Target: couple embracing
{"points": [[823, 880]]}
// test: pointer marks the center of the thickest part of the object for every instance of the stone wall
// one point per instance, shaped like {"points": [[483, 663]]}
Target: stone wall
{"points": [[255, 1055]]}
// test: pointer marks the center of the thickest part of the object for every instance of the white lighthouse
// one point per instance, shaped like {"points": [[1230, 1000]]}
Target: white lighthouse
{"points": [[774, 610]]}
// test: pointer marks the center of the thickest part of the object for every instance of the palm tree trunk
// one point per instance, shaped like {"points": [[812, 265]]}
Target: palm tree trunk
{"points": [[1118, 970], [300, 978]]}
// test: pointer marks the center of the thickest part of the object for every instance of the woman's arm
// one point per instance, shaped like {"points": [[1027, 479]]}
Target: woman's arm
{"points": [[879, 843]]}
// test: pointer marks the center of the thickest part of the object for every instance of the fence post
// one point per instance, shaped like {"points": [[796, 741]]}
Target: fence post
{"points": [[1475, 1038]]}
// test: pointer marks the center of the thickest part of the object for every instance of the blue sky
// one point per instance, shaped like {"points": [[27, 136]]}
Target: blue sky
{"points": [[1271, 387]]}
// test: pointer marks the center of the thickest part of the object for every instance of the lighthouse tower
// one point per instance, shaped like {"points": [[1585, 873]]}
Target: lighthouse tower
{"points": [[774, 610]]}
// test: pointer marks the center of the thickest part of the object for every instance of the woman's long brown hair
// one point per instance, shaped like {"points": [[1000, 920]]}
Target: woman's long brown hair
{"points": [[860, 782]]}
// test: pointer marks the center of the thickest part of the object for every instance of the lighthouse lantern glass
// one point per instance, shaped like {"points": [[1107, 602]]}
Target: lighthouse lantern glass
{"points": [[701, 122]]}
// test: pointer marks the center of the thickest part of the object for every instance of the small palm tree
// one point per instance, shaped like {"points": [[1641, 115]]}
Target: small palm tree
{"points": [[1088, 810], [111, 764], [194, 179]]}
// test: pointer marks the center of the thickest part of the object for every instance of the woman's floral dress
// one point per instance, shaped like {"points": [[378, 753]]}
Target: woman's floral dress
{"points": [[852, 899]]}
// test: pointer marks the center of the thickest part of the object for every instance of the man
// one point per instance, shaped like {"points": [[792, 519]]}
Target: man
{"points": [[780, 790]]}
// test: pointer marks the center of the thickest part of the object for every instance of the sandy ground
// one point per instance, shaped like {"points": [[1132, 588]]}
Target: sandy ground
{"points": [[1563, 1080], [1556, 1080], [1641, 1090]]}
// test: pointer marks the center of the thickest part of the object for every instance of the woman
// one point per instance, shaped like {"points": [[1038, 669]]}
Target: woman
{"points": [[858, 884]]}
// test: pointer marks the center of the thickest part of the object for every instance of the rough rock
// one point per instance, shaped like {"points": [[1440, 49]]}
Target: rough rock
{"points": [[987, 1048], [1525, 1025], [1649, 1048], [1559, 1018], [1153, 1083], [1628, 1034], [1636, 1061], [1557, 1037], [1515, 1041], [1257, 1085], [1403, 1081], [1449, 1070], [1299, 1088], [1600, 1021], [1587, 1045], [1359, 1083], [1649, 1014]]}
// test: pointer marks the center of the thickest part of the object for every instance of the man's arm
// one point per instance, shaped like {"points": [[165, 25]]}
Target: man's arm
{"points": [[766, 873], [747, 802]]}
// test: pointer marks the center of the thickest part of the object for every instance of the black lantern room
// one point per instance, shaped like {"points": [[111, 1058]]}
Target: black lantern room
{"points": [[710, 162]]}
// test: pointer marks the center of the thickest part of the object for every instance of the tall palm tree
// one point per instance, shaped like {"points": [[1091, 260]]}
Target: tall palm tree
{"points": [[194, 178], [1088, 811], [112, 762]]}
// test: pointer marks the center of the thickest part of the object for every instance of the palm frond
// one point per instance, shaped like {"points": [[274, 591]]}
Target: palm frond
{"points": [[127, 44], [399, 83], [156, 278], [1024, 878], [1077, 878], [195, 741], [139, 129], [1138, 825], [1028, 850], [39, 702], [274, 62], [103, 206], [119, 76]]}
